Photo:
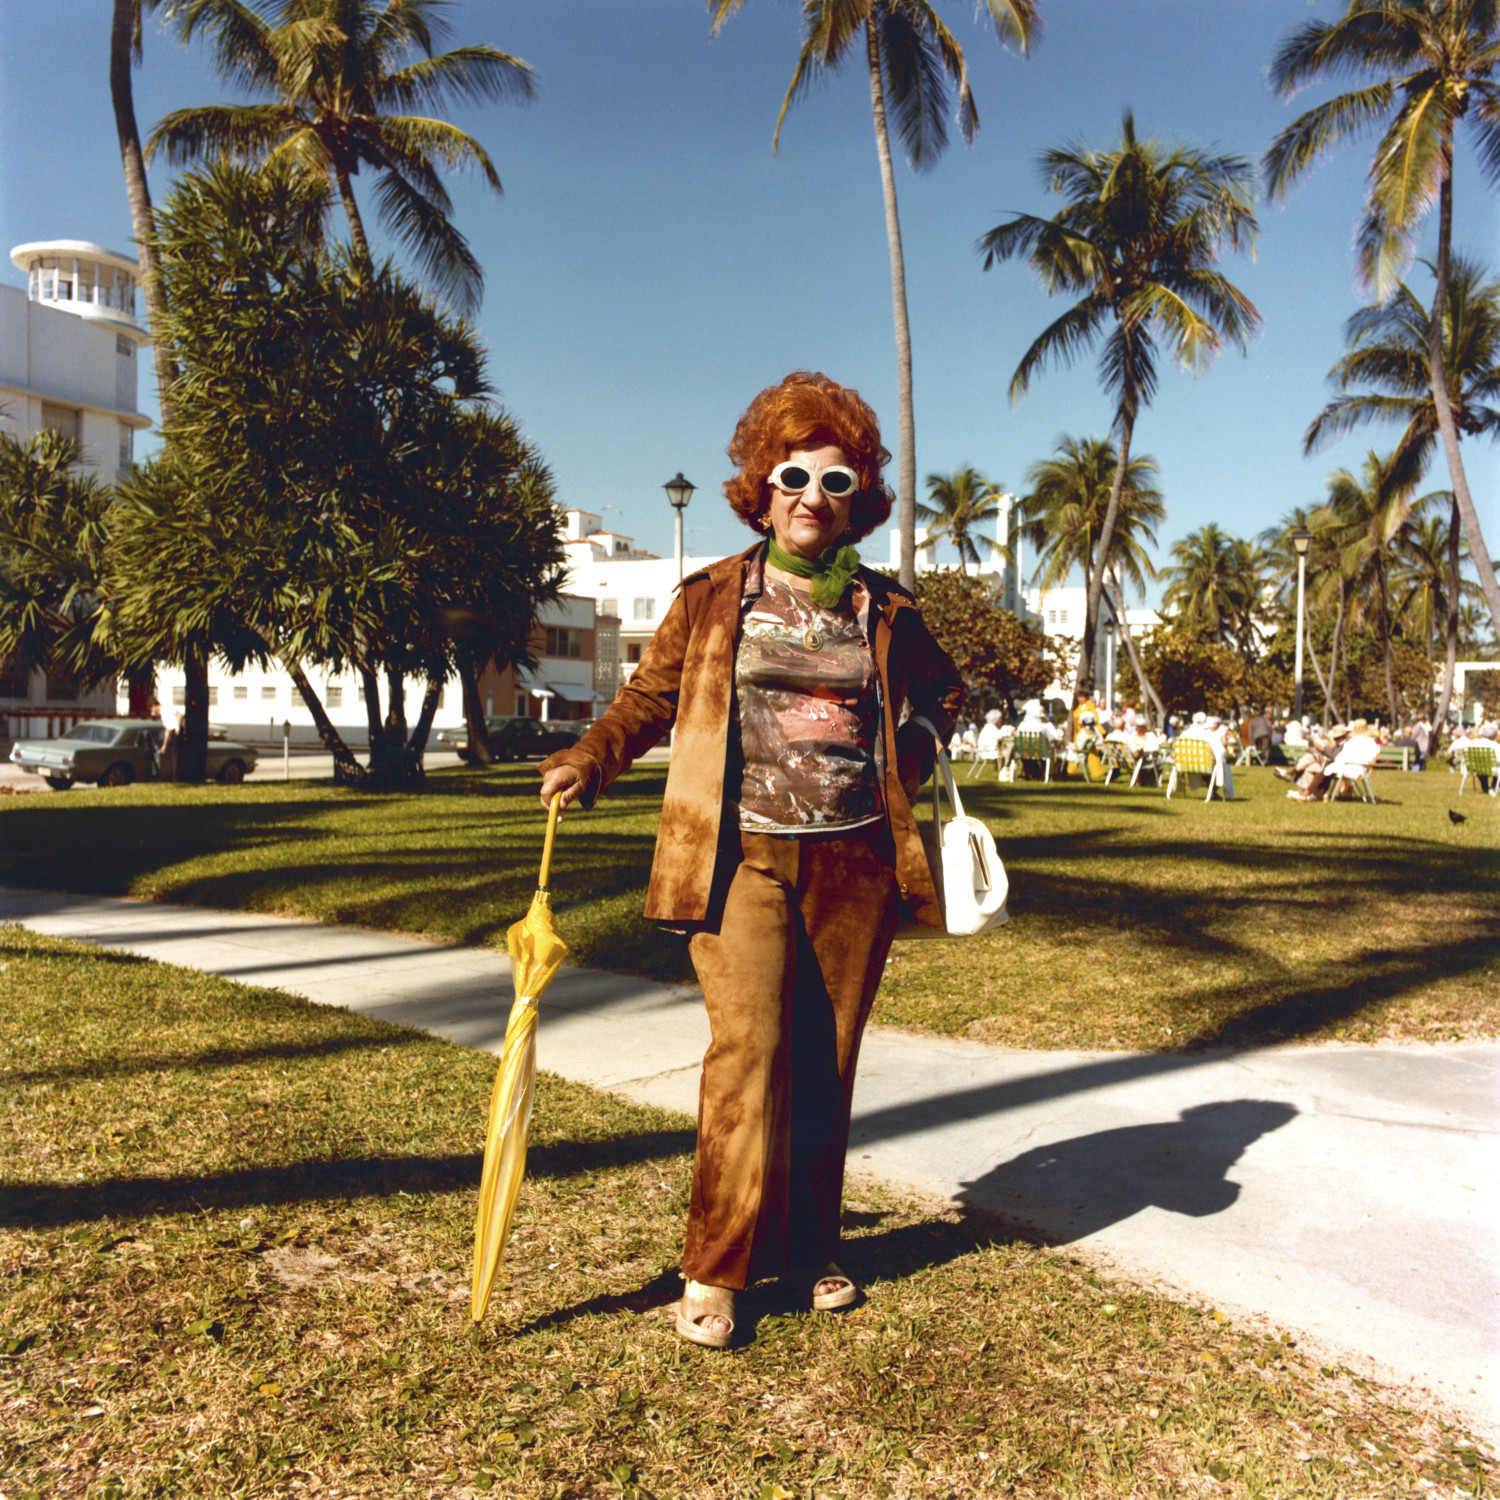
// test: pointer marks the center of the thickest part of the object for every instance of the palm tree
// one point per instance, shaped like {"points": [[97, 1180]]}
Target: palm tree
{"points": [[1215, 585], [1139, 237], [961, 502], [911, 57], [1370, 518], [1431, 63], [1427, 580], [1063, 516], [332, 69]]}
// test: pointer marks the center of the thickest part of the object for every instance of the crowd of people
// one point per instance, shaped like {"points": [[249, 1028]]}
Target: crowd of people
{"points": [[1309, 755]]}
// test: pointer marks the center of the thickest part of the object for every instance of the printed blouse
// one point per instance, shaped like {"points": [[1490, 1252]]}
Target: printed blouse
{"points": [[809, 710]]}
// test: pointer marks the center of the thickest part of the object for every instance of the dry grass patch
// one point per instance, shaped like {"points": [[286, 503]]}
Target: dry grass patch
{"points": [[234, 1249]]}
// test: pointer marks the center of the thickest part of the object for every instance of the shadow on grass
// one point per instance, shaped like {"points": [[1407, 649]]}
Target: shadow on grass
{"points": [[51, 1205]]}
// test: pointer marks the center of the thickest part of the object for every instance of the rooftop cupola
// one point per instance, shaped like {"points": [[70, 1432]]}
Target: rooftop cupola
{"points": [[86, 280]]}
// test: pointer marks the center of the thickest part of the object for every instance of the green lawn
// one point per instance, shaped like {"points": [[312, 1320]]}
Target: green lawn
{"points": [[1135, 922], [235, 1237]]}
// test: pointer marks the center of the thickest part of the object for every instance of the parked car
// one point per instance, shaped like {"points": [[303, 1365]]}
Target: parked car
{"points": [[515, 737], [115, 752]]}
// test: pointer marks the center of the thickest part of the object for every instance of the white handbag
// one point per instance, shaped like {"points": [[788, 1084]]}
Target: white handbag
{"points": [[966, 870]]}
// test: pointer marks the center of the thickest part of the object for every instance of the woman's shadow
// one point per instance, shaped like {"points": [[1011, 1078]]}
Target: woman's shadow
{"points": [[1077, 1187]]}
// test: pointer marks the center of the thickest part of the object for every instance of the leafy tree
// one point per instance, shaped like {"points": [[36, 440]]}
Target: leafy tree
{"points": [[961, 502], [1000, 658], [336, 490], [1063, 515], [1139, 239], [1431, 64], [339, 96], [911, 58], [53, 545]]}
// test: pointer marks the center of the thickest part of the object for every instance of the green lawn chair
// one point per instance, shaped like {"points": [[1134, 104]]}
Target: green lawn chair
{"points": [[1118, 761], [1033, 745], [1480, 760], [1195, 757]]}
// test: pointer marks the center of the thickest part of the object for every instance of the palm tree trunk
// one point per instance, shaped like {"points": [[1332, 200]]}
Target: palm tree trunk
{"points": [[351, 212], [124, 31], [373, 725], [1437, 378], [1084, 681], [1450, 660], [906, 463], [1123, 625], [1329, 706], [481, 752], [192, 743], [1312, 656], [346, 770], [1383, 623]]}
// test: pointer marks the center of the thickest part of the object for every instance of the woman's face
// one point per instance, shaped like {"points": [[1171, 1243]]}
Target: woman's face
{"points": [[808, 523]]}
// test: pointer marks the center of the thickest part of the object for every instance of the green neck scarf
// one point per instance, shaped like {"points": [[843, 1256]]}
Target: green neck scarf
{"points": [[831, 573]]}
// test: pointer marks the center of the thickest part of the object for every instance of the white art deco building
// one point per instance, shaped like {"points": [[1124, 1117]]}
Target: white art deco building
{"points": [[69, 351]]}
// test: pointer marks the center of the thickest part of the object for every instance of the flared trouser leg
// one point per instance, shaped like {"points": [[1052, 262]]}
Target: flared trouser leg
{"points": [[788, 978]]}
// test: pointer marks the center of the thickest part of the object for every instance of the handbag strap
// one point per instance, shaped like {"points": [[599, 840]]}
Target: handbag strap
{"points": [[941, 772]]}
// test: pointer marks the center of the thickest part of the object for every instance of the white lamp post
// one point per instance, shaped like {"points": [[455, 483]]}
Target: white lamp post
{"points": [[679, 492], [1301, 540]]}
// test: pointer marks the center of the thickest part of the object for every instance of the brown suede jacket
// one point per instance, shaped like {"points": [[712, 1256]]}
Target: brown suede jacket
{"points": [[686, 678]]}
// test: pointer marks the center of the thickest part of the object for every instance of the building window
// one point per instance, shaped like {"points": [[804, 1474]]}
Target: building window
{"points": [[213, 697], [179, 696], [268, 693], [127, 449], [1062, 617], [645, 609], [361, 692], [61, 687], [63, 419], [14, 683], [609, 606], [333, 696], [633, 652], [123, 346], [241, 692], [564, 642], [1052, 617]]}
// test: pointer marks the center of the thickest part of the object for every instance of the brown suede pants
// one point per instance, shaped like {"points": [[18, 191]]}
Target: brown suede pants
{"points": [[789, 977]]}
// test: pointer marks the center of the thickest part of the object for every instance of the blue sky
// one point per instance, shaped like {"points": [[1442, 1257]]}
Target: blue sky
{"points": [[652, 265]]}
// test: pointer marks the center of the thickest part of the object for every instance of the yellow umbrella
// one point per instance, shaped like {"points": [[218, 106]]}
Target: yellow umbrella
{"points": [[536, 952]]}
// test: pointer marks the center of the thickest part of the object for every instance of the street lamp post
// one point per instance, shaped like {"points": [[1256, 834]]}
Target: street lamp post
{"points": [[679, 492], [1301, 540]]}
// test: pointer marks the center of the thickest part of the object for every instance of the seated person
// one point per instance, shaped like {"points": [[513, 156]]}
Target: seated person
{"points": [[1035, 721]]}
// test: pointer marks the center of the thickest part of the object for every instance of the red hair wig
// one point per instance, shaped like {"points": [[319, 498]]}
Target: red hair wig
{"points": [[808, 411]]}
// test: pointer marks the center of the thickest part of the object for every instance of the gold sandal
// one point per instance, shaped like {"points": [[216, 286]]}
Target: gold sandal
{"points": [[699, 1303], [845, 1294]]}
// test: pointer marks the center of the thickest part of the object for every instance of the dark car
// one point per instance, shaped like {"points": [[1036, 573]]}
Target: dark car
{"points": [[515, 737], [115, 752]]}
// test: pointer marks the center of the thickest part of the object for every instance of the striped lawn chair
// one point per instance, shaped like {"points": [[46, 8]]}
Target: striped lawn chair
{"points": [[1195, 757], [1032, 745], [1480, 760]]}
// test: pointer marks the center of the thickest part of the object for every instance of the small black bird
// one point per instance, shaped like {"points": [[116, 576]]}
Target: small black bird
{"points": [[1455, 818]]}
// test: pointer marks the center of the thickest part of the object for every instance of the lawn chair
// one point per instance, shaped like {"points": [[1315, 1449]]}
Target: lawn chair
{"points": [[1194, 757], [983, 758], [1149, 762], [1480, 760], [1117, 760], [1033, 746], [1356, 775]]}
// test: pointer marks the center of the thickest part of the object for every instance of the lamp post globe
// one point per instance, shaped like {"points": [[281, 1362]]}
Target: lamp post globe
{"points": [[679, 492]]}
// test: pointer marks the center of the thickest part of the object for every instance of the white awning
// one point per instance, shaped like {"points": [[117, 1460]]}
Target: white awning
{"points": [[528, 684], [572, 692]]}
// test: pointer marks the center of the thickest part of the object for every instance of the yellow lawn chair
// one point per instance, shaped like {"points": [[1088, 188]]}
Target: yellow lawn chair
{"points": [[1479, 760], [1194, 757]]}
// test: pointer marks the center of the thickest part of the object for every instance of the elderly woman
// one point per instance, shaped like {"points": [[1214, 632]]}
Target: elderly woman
{"points": [[787, 843]]}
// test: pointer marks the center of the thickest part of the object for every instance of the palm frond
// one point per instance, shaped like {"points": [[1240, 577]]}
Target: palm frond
{"points": [[1310, 135], [464, 75], [1059, 343], [241, 132], [438, 248], [916, 87], [416, 143]]}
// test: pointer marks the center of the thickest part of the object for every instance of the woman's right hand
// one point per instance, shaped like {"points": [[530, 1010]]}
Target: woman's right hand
{"points": [[567, 782]]}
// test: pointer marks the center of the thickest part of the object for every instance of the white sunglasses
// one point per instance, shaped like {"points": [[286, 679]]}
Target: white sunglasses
{"points": [[836, 481]]}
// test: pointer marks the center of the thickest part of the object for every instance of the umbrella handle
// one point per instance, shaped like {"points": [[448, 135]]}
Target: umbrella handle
{"points": [[552, 812]]}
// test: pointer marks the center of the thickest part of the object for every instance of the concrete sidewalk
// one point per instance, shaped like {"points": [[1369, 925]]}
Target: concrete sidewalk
{"points": [[1348, 1194]]}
